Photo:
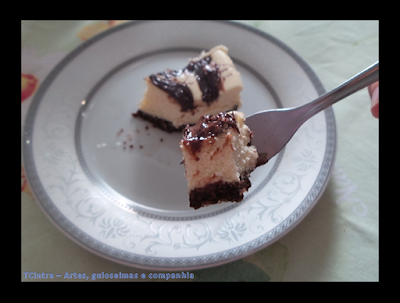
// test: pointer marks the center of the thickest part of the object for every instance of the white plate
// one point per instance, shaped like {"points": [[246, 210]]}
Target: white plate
{"points": [[113, 183]]}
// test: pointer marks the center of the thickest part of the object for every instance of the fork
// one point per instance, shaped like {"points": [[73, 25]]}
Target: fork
{"points": [[272, 129]]}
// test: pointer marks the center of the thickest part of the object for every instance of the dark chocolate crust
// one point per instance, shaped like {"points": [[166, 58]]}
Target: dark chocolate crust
{"points": [[158, 122], [214, 193], [162, 123]]}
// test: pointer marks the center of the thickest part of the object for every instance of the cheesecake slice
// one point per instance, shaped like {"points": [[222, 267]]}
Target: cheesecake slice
{"points": [[218, 158], [209, 84]]}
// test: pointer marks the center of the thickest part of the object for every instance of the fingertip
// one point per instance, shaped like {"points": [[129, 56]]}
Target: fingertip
{"points": [[372, 88], [375, 103], [375, 111]]}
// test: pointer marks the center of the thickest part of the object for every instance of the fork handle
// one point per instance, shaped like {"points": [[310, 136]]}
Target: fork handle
{"points": [[354, 84]]}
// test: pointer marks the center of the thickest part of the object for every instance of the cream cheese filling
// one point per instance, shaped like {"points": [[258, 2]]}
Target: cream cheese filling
{"points": [[158, 103]]}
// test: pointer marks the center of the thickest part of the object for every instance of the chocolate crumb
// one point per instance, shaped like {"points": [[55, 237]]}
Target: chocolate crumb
{"points": [[120, 132]]}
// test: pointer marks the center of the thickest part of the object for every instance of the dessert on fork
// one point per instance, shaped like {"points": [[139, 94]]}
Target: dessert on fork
{"points": [[218, 158]]}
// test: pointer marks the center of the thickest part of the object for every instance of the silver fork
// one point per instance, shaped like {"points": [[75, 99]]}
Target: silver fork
{"points": [[274, 128]]}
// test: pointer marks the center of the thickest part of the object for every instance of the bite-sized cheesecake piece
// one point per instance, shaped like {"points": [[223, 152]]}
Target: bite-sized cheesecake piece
{"points": [[210, 84], [218, 158]]}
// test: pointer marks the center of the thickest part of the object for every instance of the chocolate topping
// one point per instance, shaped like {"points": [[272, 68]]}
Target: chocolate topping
{"points": [[207, 75], [179, 91], [208, 126]]}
